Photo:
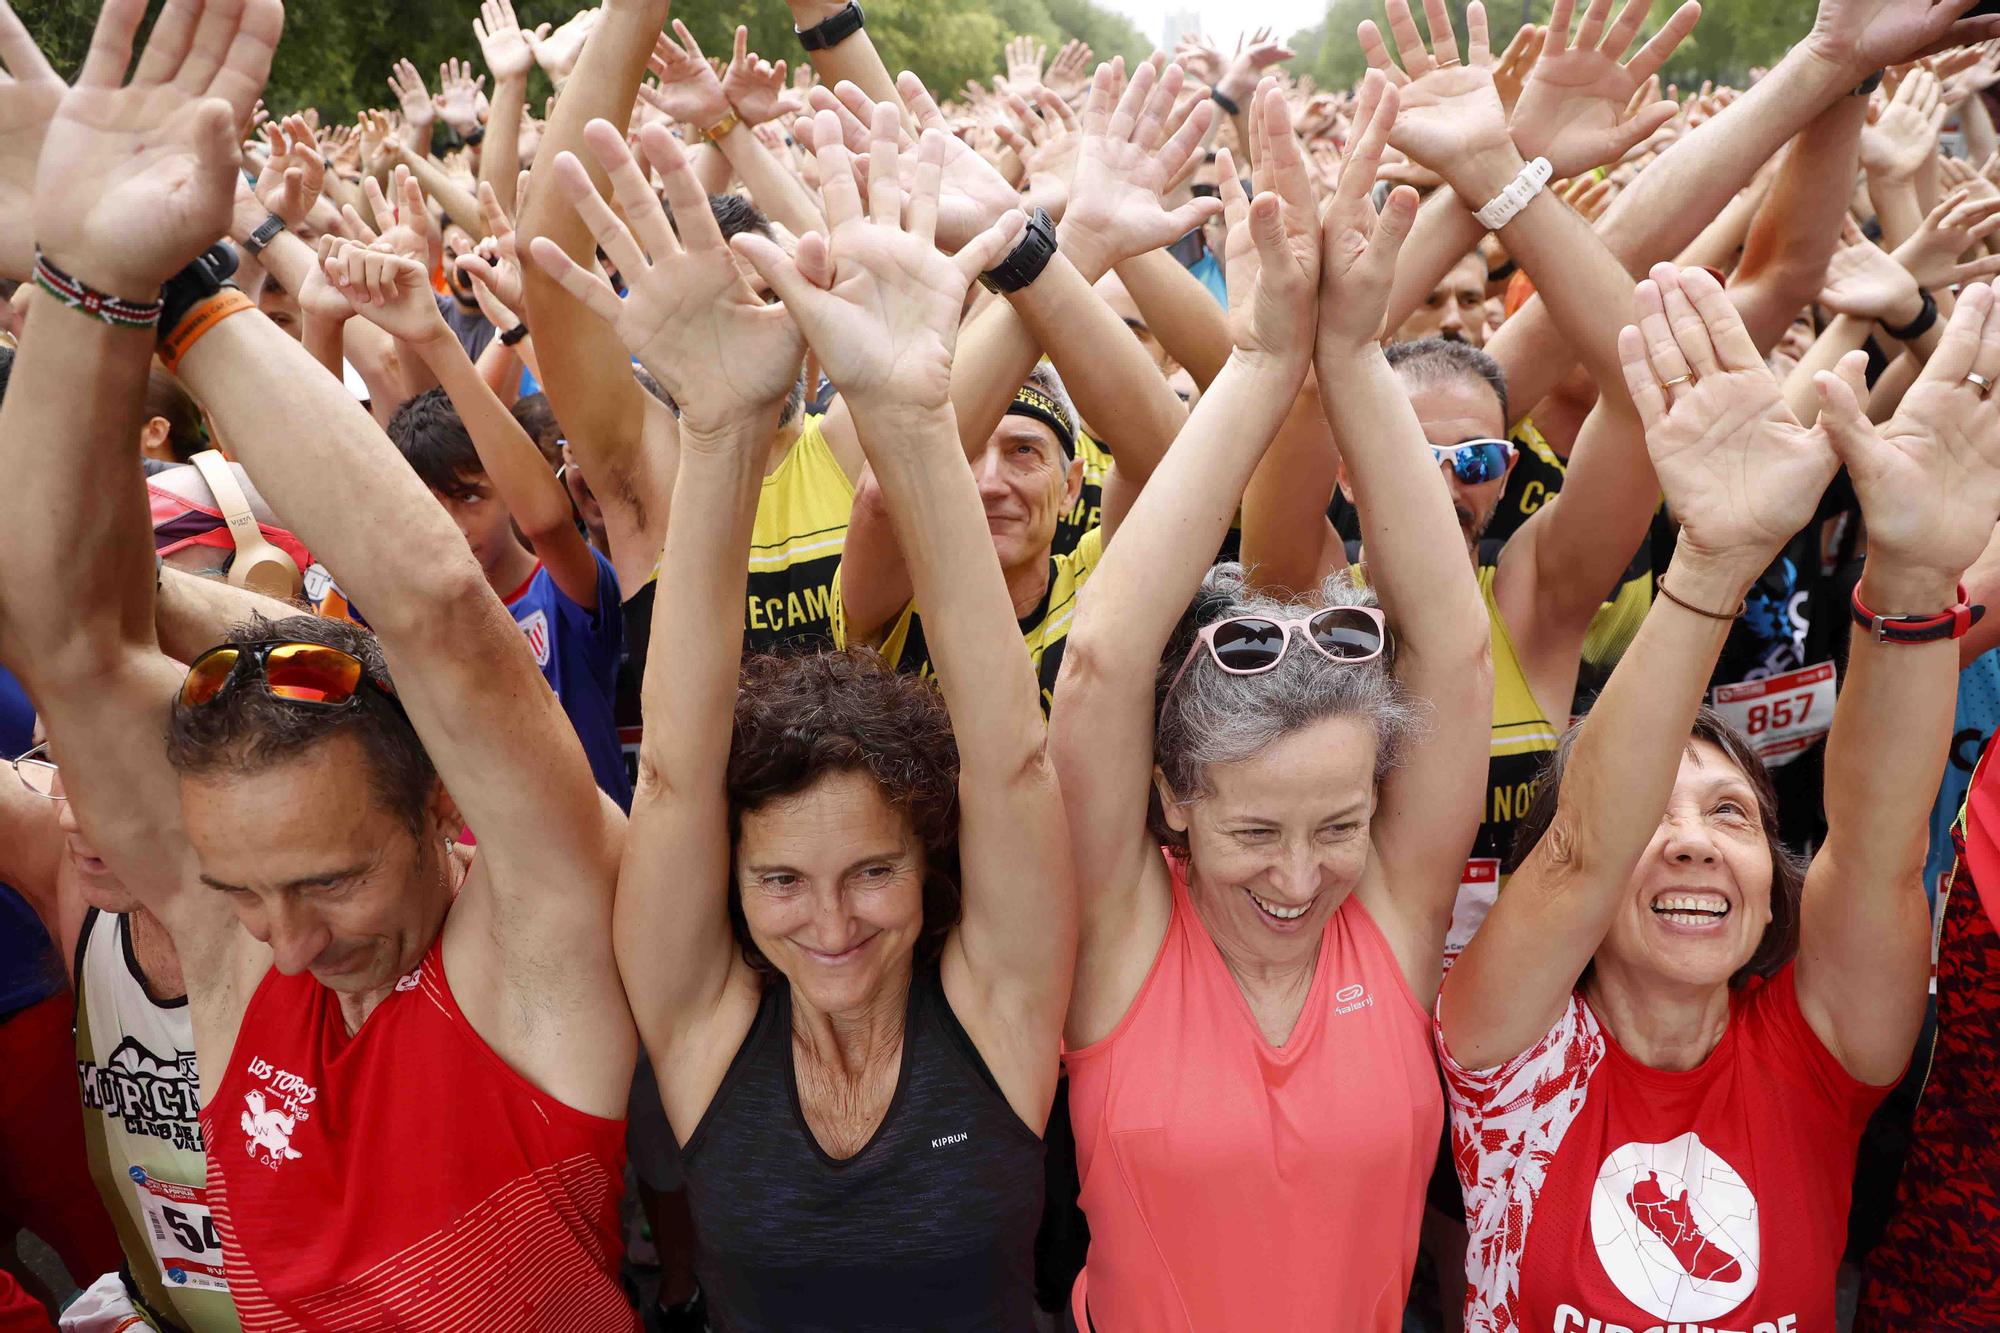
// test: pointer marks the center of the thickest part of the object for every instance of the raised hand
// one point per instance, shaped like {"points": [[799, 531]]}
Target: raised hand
{"points": [[1450, 109], [1902, 130], [1254, 54], [1864, 282], [319, 299], [1070, 69], [1739, 472], [494, 265], [1024, 65], [1958, 223], [1358, 247], [501, 41], [29, 92], [1272, 256], [1577, 107], [411, 95], [1198, 56], [388, 290], [405, 227], [756, 87], [293, 173], [1864, 35], [687, 314], [137, 179], [1047, 145], [1511, 70], [459, 99], [1929, 482], [689, 91], [878, 301], [1133, 147], [556, 52], [374, 130]]}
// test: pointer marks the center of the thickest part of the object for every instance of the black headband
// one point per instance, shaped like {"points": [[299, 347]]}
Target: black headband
{"points": [[1032, 402]]}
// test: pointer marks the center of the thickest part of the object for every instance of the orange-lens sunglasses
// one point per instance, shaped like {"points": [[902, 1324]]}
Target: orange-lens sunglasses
{"points": [[309, 674]]}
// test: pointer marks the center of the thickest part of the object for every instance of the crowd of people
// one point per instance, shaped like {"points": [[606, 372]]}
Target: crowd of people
{"points": [[1149, 698]]}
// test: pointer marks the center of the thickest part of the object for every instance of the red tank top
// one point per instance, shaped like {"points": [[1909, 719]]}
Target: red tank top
{"points": [[404, 1177]]}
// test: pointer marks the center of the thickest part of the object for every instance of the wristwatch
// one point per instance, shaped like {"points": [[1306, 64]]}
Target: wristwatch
{"points": [[1950, 623], [1025, 262], [831, 30], [515, 336], [208, 274], [267, 231], [1927, 318]]}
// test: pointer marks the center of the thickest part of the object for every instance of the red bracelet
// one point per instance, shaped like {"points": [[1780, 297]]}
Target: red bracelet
{"points": [[100, 306], [1950, 623]]}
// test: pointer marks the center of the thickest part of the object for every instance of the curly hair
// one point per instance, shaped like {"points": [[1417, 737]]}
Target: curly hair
{"points": [[1788, 869], [800, 718]]}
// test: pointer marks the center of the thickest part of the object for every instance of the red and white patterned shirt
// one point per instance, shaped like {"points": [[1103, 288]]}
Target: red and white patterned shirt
{"points": [[1604, 1196]]}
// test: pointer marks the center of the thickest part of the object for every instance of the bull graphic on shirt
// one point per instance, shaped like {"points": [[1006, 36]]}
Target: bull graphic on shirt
{"points": [[269, 1130]]}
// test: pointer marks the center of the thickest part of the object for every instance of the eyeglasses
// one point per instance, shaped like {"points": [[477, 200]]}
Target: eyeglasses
{"points": [[309, 674], [38, 772], [1247, 645], [1476, 461]]}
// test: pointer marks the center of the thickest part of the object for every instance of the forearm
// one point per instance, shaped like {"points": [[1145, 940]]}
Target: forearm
{"points": [[781, 195], [1798, 227], [1722, 240], [1180, 312], [196, 613], [854, 59], [324, 340], [1887, 394], [459, 204], [1896, 208], [1977, 124], [500, 155], [1845, 334], [1286, 536], [712, 167], [1113, 382], [500, 370], [288, 259], [1445, 232], [520, 475]]}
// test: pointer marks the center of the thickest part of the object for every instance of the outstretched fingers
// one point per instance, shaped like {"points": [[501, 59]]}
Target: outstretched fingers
{"points": [[991, 246], [1661, 45], [612, 236], [1734, 347], [885, 188]]}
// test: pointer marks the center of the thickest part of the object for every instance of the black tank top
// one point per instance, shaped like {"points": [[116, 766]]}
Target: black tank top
{"points": [[931, 1225]]}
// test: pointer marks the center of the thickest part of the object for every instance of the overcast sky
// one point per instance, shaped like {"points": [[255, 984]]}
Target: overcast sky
{"points": [[1223, 20]]}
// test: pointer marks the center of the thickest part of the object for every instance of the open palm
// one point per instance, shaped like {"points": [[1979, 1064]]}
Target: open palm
{"points": [[1272, 252], [27, 103], [1573, 110], [1449, 112], [1357, 251], [688, 315], [1131, 148]]}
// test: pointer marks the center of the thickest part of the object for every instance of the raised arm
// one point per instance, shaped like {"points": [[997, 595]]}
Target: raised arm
{"points": [[853, 60], [729, 360], [1797, 227], [1929, 486], [1743, 477], [509, 59], [621, 437], [1102, 728], [880, 310]]}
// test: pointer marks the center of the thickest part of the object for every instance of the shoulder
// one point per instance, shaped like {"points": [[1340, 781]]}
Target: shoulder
{"points": [[1559, 1066]]}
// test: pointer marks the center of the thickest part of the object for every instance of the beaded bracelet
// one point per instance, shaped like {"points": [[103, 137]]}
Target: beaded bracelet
{"points": [[100, 306]]}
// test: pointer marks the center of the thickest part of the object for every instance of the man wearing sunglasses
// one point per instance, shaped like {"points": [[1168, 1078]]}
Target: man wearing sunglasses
{"points": [[395, 1049]]}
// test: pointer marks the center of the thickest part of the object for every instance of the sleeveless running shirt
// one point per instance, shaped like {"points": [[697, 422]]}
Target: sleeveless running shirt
{"points": [[795, 543], [403, 1177], [930, 1226], [141, 1128], [1234, 1185]]}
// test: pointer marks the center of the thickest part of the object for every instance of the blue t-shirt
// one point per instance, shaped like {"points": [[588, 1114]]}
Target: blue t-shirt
{"points": [[30, 972], [577, 651], [1976, 718]]}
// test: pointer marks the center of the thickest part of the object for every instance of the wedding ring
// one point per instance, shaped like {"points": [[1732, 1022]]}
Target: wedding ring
{"points": [[1451, 63], [1679, 379], [1975, 378]]}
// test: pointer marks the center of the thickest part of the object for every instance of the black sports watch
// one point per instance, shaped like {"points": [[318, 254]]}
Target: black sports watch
{"points": [[267, 231], [208, 274], [1025, 262], [831, 30], [515, 336]]}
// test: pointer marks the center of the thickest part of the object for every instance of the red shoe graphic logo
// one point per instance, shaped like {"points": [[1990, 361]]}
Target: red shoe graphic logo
{"points": [[1670, 1220]]}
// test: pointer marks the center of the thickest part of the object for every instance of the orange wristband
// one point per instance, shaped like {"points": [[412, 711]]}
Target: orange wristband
{"points": [[198, 321]]}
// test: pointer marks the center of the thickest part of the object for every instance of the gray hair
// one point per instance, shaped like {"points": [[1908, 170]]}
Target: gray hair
{"points": [[1214, 717], [1044, 378]]}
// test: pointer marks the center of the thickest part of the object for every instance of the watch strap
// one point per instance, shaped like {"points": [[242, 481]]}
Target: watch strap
{"points": [[515, 336], [1025, 262], [832, 30], [720, 130], [267, 231], [1926, 319], [1505, 206], [1950, 623]]}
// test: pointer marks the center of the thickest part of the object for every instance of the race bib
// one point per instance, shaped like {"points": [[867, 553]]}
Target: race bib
{"points": [[1477, 890], [182, 1232], [1781, 716]]}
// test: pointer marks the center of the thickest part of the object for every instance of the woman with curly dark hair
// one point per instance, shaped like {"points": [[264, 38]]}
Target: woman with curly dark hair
{"points": [[845, 917]]}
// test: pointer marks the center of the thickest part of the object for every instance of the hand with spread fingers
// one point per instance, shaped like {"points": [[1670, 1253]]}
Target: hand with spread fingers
{"points": [[1272, 255], [1576, 108], [878, 300], [1860, 36], [501, 41], [138, 178], [1451, 115], [294, 172], [460, 100], [1070, 70], [405, 227], [412, 96], [1517, 62], [1902, 130], [1863, 281], [1958, 223], [494, 265], [756, 87], [1134, 146], [689, 91], [1358, 245], [1046, 139], [1255, 54], [29, 92], [687, 313], [556, 52], [1929, 480], [1024, 65], [1739, 473]]}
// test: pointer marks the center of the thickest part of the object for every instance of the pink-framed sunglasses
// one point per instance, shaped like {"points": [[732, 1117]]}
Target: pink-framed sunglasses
{"points": [[1248, 645]]}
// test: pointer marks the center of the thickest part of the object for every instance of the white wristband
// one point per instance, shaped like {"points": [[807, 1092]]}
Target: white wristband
{"points": [[1502, 208]]}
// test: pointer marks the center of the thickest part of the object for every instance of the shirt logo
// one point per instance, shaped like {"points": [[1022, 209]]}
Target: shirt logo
{"points": [[950, 1139], [273, 1113], [1349, 998], [1675, 1228], [536, 628]]}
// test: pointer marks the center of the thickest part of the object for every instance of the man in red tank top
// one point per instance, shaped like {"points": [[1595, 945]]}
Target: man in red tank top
{"points": [[412, 1073]]}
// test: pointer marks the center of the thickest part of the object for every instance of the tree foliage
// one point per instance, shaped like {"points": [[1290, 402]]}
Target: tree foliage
{"points": [[336, 54]]}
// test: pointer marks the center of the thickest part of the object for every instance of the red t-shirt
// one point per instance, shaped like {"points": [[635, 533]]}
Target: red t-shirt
{"points": [[1603, 1196], [404, 1176]]}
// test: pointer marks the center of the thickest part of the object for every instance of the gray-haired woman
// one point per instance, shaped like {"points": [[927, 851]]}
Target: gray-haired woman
{"points": [[1254, 1097]]}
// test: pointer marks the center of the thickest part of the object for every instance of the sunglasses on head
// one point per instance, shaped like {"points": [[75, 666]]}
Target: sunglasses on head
{"points": [[311, 675], [1476, 461], [1247, 645]]}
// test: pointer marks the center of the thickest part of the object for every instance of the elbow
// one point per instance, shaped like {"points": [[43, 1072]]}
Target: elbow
{"points": [[444, 601]]}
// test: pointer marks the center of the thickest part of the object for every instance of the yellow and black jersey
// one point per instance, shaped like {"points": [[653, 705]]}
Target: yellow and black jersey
{"points": [[795, 548], [1044, 630], [1088, 511], [1523, 735]]}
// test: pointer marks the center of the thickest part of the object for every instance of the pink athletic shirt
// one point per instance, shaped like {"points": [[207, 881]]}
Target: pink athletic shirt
{"points": [[1231, 1184], [405, 1177], [1605, 1196]]}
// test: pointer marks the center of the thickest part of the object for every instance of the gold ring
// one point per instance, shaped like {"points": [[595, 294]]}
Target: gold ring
{"points": [[1985, 385], [1452, 63], [1680, 379]]}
